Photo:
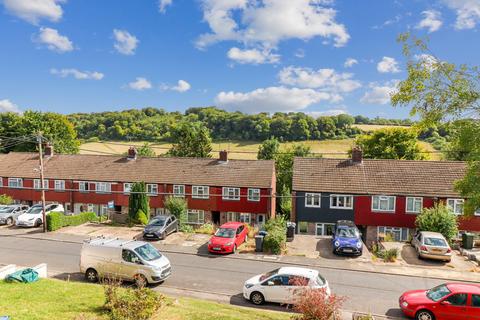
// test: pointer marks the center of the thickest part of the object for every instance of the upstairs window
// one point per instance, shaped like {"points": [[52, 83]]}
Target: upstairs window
{"points": [[230, 193], [414, 205], [1, 182], [456, 205], [200, 192], [83, 186], [341, 202], [15, 182], [37, 184], [127, 187], [312, 200], [103, 187], [179, 190], [253, 194], [60, 185], [152, 188], [383, 203]]}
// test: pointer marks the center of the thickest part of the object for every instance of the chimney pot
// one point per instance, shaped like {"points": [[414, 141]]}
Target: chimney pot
{"points": [[132, 153], [223, 156], [48, 150], [357, 155]]}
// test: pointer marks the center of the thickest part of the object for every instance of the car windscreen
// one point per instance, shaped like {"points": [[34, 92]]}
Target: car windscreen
{"points": [[148, 253], [347, 232], [6, 209], [438, 292], [225, 233], [436, 242], [268, 274], [159, 222]]}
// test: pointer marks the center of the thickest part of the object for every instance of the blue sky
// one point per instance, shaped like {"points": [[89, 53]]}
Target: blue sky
{"points": [[314, 56]]}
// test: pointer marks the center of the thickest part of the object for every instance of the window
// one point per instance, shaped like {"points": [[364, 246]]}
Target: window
{"points": [[397, 234], [232, 216], [127, 187], [475, 300], [324, 229], [253, 194], [129, 256], [456, 205], [458, 299], [37, 184], [245, 218], [312, 200], [83, 186], [195, 216], [179, 190], [1, 182], [383, 203], [15, 182], [303, 227], [230, 193], [152, 188], [477, 213], [103, 187], [59, 184], [341, 202], [414, 205], [200, 192]]}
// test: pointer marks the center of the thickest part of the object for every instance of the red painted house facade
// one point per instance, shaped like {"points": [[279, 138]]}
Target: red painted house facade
{"points": [[216, 190], [383, 196]]}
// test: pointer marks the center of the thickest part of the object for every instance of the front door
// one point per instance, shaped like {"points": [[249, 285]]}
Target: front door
{"points": [[216, 217], [260, 220]]}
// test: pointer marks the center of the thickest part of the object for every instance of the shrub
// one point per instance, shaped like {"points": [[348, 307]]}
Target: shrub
{"points": [[131, 303], [252, 232], [187, 228], [438, 219], [314, 304], [178, 207], [58, 220], [206, 228], [276, 238], [390, 255], [138, 201], [5, 199], [142, 217]]}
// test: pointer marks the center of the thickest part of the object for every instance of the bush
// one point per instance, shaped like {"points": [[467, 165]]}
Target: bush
{"points": [[178, 207], [314, 304], [58, 220], [131, 303], [138, 201], [206, 228], [276, 238], [390, 255], [142, 217], [186, 228], [438, 219], [6, 199]]}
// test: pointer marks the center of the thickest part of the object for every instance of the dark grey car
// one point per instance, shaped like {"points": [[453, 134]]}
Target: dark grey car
{"points": [[160, 227], [10, 213]]}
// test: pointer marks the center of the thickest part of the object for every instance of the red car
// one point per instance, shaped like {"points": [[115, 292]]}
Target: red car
{"points": [[450, 301], [228, 237]]}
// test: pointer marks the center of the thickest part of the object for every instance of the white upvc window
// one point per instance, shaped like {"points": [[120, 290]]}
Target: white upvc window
{"points": [[246, 218], [232, 217], [60, 185], [152, 188], [1, 182], [414, 205], [230, 193], [383, 203], [253, 194], [397, 233], [477, 213], [127, 187], [340, 201], [83, 186], [179, 190], [15, 182], [37, 184], [103, 187], [200, 192], [456, 205], [313, 200], [195, 216]]}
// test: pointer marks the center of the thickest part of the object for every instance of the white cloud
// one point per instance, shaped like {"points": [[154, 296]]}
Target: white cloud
{"points": [[140, 84], [350, 62], [163, 4], [77, 74], [53, 40], [35, 10], [388, 65], [380, 93], [125, 43], [432, 20], [330, 112], [182, 86], [272, 99], [268, 22], [300, 53], [323, 79], [8, 106], [427, 60], [252, 56], [468, 13]]}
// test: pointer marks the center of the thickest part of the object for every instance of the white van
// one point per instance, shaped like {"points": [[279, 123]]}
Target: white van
{"points": [[128, 260]]}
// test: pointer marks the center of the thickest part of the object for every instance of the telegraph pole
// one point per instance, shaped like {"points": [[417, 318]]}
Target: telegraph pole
{"points": [[39, 140]]}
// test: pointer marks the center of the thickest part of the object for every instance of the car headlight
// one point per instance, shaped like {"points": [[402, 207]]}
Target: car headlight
{"points": [[337, 244], [359, 245], [228, 244], [404, 304], [248, 285]]}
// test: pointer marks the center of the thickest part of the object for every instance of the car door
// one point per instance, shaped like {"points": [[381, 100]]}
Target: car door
{"points": [[129, 265], [276, 288], [238, 236], [174, 223], [474, 307], [454, 307]]}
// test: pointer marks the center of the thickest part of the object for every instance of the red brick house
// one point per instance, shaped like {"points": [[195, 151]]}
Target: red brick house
{"points": [[381, 196], [217, 190]]}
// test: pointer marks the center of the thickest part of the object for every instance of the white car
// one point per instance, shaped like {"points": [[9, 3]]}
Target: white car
{"points": [[33, 217], [432, 245], [282, 285]]}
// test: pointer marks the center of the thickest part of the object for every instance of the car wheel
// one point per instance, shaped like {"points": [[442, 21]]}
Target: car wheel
{"points": [[424, 315], [257, 298], [38, 223], [9, 221], [140, 281], [91, 275]]}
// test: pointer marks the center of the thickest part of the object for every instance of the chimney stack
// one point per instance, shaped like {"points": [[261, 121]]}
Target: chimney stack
{"points": [[223, 156], [132, 153], [357, 155], [48, 151]]}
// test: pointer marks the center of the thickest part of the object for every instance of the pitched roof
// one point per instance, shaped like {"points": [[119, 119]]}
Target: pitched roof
{"points": [[391, 177], [197, 171]]}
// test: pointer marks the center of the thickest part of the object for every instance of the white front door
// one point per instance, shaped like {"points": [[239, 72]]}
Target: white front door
{"points": [[260, 219]]}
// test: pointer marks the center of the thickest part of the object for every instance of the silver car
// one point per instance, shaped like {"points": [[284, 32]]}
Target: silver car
{"points": [[10, 213], [432, 245]]}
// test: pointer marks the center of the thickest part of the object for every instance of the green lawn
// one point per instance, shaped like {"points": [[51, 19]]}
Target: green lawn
{"points": [[58, 300]]}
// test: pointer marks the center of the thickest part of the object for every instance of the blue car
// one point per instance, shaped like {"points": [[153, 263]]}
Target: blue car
{"points": [[347, 238]]}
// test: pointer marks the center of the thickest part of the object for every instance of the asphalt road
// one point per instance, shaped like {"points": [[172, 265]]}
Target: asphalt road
{"points": [[223, 278]]}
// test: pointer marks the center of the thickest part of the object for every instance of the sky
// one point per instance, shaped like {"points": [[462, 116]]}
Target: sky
{"points": [[321, 57]]}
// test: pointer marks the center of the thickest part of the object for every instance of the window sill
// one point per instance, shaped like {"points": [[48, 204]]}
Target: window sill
{"points": [[231, 199], [312, 206], [412, 212], [384, 211], [251, 200], [200, 198], [103, 192], [342, 208]]}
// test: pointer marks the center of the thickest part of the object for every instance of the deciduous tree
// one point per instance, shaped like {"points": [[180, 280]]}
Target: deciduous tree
{"points": [[190, 140]]}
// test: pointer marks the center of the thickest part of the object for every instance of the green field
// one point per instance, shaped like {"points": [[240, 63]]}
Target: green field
{"points": [[61, 300]]}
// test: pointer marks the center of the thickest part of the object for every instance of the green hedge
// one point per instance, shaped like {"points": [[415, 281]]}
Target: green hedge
{"points": [[57, 220]]}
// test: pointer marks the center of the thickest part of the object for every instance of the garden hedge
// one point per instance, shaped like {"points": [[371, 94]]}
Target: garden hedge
{"points": [[58, 220]]}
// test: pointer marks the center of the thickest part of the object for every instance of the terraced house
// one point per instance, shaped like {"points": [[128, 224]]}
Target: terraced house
{"points": [[380, 196], [217, 190]]}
